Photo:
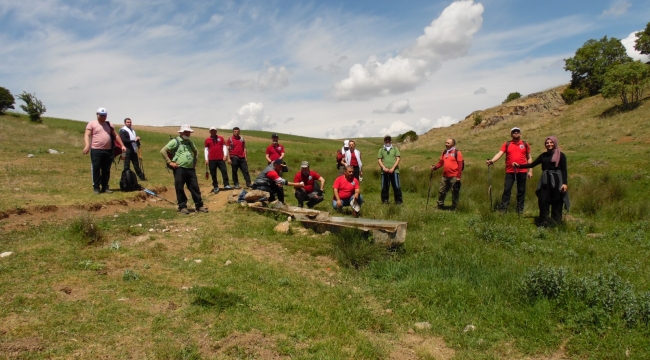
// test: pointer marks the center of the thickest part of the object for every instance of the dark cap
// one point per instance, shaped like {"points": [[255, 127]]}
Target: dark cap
{"points": [[274, 135], [278, 162], [387, 137]]}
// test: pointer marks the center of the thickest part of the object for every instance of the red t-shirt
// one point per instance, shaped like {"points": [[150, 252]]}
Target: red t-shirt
{"points": [[274, 151], [353, 159], [275, 177], [236, 146], [517, 152], [452, 164], [346, 188], [215, 147], [307, 179]]}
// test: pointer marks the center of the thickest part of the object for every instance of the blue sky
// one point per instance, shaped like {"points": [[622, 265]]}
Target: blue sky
{"points": [[336, 69]]}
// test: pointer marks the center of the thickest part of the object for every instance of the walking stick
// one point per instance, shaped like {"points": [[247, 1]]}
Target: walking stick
{"points": [[490, 185], [140, 158], [207, 174], [429, 193], [152, 193]]}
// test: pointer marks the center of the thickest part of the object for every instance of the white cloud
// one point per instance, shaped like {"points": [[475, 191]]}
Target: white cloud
{"points": [[269, 78], [628, 42], [250, 117], [395, 128], [618, 8], [423, 125], [395, 107], [480, 90], [448, 37]]}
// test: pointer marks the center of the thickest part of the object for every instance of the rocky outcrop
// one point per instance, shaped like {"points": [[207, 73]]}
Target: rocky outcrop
{"points": [[544, 103]]}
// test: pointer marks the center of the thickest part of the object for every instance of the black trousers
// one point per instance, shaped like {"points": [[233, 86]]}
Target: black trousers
{"points": [[388, 180], [239, 163], [521, 190], [221, 165], [556, 209], [131, 156], [357, 171], [100, 167], [183, 177], [274, 190], [313, 198]]}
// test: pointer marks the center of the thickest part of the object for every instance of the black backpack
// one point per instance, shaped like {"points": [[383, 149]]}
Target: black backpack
{"points": [[129, 182]]}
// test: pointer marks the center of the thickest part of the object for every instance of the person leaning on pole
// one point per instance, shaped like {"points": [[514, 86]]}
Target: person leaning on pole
{"points": [[388, 158], [518, 151], [216, 155], [309, 186], [180, 154], [238, 158], [131, 141], [346, 189], [98, 138], [452, 161]]}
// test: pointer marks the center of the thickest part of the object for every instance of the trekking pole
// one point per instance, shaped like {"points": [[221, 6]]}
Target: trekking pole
{"points": [[207, 175], [490, 185], [429, 193], [140, 158], [152, 193]]}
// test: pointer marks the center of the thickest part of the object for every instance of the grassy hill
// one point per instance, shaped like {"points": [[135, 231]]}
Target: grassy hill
{"points": [[124, 276]]}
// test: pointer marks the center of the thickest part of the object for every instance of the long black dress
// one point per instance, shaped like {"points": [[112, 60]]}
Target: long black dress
{"points": [[548, 190]]}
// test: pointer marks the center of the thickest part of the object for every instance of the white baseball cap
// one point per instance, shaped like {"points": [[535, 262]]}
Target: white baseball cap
{"points": [[185, 127], [213, 128], [102, 111], [346, 143]]}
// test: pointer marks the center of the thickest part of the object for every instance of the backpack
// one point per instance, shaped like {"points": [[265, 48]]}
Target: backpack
{"points": [[129, 182], [232, 140], [455, 152]]}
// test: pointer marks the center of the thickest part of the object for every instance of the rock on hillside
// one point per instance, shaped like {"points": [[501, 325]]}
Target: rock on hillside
{"points": [[545, 103]]}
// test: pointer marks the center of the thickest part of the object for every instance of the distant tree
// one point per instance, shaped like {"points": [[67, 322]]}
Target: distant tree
{"points": [[6, 100], [33, 107], [628, 81], [591, 62], [512, 96], [409, 134], [642, 43]]}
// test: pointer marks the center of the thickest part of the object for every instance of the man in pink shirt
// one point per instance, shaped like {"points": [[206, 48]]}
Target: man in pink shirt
{"points": [[99, 138]]}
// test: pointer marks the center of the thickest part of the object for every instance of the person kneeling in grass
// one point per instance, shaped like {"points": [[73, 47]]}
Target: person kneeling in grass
{"points": [[346, 189], [552, 188]]}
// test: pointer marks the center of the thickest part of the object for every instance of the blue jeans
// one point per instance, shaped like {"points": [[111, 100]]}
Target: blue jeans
{"points": [[346, 202]]}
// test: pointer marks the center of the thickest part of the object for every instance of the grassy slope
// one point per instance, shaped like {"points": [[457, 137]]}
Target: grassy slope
{"points": [[455, 268]]}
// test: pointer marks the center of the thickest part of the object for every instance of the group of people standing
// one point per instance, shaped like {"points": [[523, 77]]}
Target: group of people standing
{"points": [[181, 156]]}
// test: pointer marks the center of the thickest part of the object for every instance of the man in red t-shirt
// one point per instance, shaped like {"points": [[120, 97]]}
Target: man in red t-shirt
{"points": [[271, 181], [517, 151], [238, 157], [309, 186], [216, 155], [452, 161], [346, 188]]}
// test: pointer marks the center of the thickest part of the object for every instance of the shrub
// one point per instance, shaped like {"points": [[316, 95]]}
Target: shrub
{"points": [[570, 95], [33, 107], [544, 282], [86, 230], [353, 249], [512, 96], [407, 135], [627, 81], [6, 100], [478, 119]]}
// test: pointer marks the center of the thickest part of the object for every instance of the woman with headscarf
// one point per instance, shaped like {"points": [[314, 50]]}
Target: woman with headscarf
{"points": [[552, 188]]}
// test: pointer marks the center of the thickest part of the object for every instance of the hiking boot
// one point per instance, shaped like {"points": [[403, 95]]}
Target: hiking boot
{"points": [[227, 187], [215, 190], [96, 191], [385, 202], [202, 209], [398, 203], [249, 186], [356, 214], [237, 186], [184, 211], [108, 191], [143, 178]]}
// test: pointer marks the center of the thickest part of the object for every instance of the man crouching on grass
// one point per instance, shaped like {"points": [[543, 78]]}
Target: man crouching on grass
{"points": [[346, 188], [180, 155]]}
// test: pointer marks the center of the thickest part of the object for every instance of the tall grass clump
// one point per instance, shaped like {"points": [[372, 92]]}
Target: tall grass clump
{"points": [[86, 230], [352, 249], [597, 300], [594, 195], [492, 231]]}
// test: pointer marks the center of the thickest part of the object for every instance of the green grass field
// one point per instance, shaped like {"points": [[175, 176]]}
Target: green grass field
{"points": [[224, 285]]}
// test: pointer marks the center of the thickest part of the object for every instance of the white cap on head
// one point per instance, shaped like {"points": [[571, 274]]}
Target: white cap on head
{"points": [[346, 143], [213, 128], [102, 111], [185, 127], [515, 129]]}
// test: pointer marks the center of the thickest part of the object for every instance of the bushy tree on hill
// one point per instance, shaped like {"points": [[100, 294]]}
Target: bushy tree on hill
{"points": [[512, 96], [627, 81], [642, 43], [33, 107], [591, 62], [409, 134], [6, 100]]}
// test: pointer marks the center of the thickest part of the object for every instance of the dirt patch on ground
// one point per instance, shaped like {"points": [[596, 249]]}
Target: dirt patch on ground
{"points": [[17, 348], [413, 346], [251, 345], [625, 140]]}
